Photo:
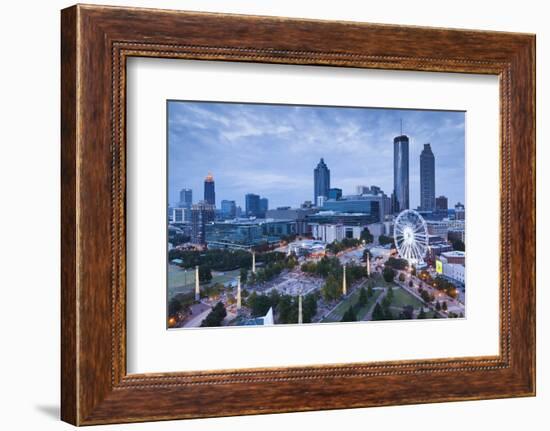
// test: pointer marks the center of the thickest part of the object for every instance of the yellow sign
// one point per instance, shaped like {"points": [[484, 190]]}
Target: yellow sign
{"points": [[439, 267]]}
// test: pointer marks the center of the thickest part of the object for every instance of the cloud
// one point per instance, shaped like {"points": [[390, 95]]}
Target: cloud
{"points": [[272, 149]]}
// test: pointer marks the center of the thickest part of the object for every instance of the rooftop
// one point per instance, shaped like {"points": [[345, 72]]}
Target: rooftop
{"points": [[454, 253]]}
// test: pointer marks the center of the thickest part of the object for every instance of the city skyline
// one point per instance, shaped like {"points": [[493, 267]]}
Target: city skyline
{"points": [[258, 140]]}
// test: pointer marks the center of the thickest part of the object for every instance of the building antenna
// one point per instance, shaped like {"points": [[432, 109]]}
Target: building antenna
{"points": [[401, 120]]}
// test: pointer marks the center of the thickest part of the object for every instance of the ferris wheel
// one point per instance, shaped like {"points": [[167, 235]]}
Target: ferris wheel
{"points": [[411, 236]]}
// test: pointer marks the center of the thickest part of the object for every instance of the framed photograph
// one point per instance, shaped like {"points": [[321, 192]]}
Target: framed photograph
{"points": [[323, 214]]}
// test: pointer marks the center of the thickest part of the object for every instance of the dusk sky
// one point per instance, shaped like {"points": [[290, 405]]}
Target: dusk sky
{"points": [[271, 150]]}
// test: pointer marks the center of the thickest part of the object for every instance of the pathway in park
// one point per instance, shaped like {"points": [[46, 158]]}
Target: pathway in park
{"points": [[368, 316]]}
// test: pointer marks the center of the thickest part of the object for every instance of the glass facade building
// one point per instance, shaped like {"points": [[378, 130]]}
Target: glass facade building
{"points": [[209, 190], [346, 219], [186, 198], [264, 206], [247, 233], [252, 205], [427, 179], [231, 234], [400, 173], [371, 205], [279, 228], [229, 209], [321, 181], [335, 193]]}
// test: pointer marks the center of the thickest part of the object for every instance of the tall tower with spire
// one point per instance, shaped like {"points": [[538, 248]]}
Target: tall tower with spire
{"points": [[321, 181], [209, 190], [400, 173]]}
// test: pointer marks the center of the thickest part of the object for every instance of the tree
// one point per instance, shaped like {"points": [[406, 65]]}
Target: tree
{"points": [[216, 316], [179, 238], [274, 297], [214, 290], [244, 275], [217, 259], [370, 291], [384, 240], [438, 306], [444, 306], [411, 284], [402, 277], [366, 236], [386, 303], [390, 294], [377, 313], [332, 289], [205, 274], [363, 298], [259, 304], [285, 309], [426, 297], [388, 274], [421, 314], [397, 263], [309, 307], [407, 312], [174, 307], [349, 316]]}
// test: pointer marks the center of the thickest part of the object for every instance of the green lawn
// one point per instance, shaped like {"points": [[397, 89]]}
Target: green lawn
{"points": [[363, 310], [180, 278], [337, 314], [401, 298], [181, 281], [378, 281]]}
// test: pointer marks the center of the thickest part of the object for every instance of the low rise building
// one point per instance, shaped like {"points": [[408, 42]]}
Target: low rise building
{"points": [[456, 234], [439, 228], [328, 233], [455, 272], [377, 229], [306, 247], [298, 215], [458, 257]]}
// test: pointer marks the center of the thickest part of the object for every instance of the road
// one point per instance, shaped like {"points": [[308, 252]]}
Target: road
{"points": [[452, 304], [196, 321]]}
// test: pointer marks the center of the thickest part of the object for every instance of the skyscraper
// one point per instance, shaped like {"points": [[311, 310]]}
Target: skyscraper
{"points": [[186, 198], [334, 193], [229, 209], [459, 211], [209, 190], [400, 173], [427, 179], [264, 206], [321, 181], [441, 203], [201, 214], [252, 205]]}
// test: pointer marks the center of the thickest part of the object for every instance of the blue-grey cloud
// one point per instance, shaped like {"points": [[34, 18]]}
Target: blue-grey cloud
{"points": [[271, 150]]}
